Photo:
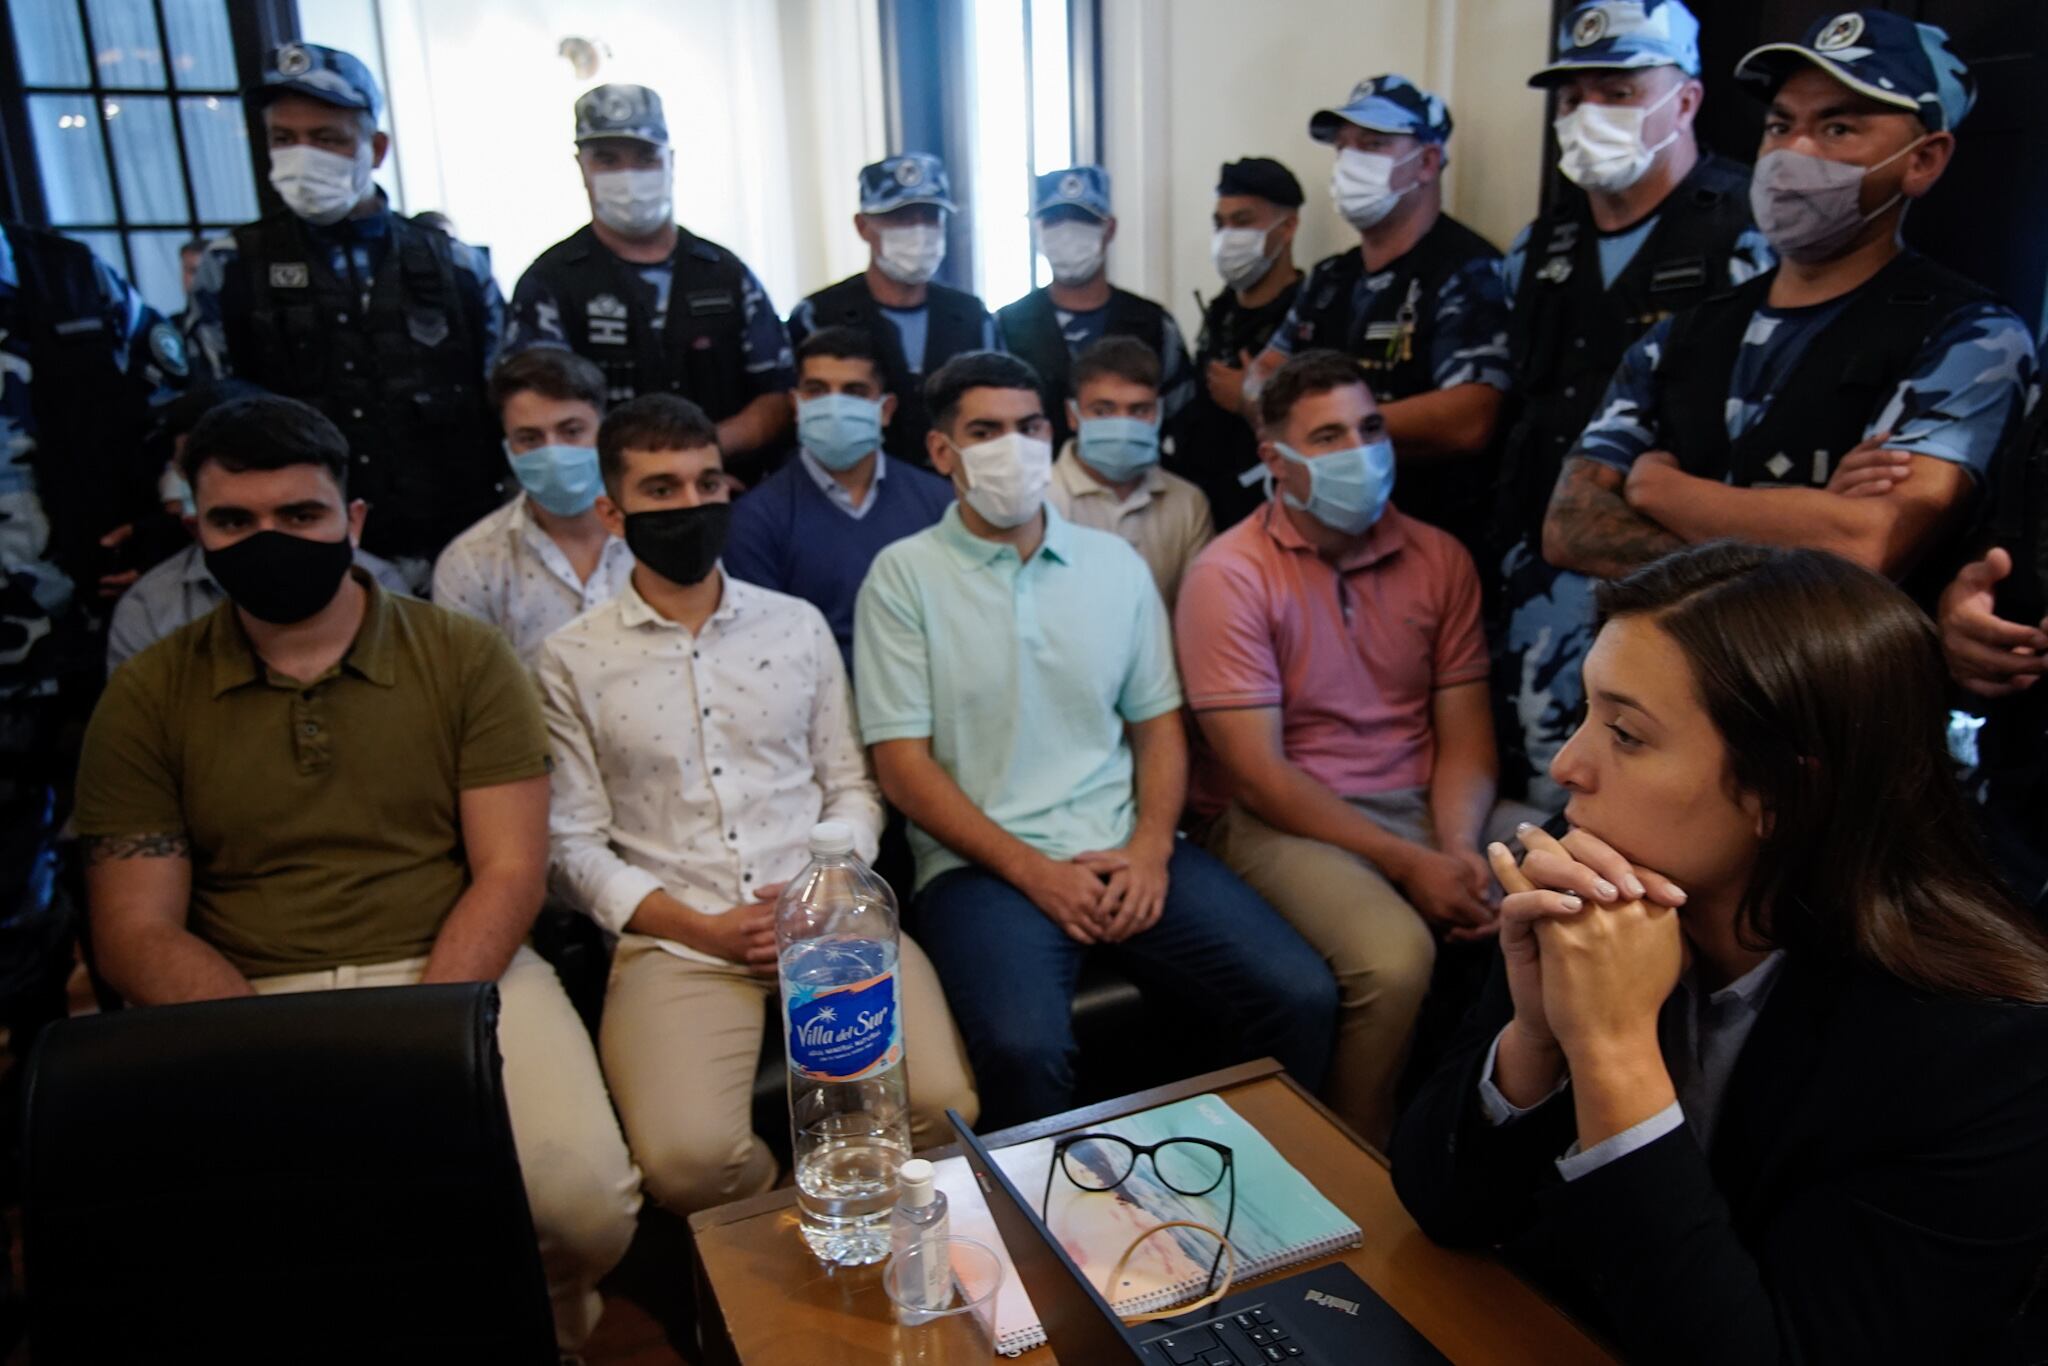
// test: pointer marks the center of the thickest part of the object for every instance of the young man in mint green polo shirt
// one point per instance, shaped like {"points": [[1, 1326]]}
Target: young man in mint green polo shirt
{"points": [[1017, 688]]}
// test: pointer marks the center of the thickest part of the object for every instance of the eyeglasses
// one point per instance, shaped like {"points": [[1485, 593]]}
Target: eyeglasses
{"points": [[1185, 1166]]}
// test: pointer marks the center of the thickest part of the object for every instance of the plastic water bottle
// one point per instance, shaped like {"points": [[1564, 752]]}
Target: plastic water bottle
{"points": [[849, 1116]]}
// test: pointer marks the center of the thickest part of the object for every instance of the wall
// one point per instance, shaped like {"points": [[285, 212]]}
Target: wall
{"points": [[770, 117], [1190, 84]]}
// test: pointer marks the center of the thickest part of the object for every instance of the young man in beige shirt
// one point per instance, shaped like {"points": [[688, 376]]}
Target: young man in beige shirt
{"points": [[1108, 476]]}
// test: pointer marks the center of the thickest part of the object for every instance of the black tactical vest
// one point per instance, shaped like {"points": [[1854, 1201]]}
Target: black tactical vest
{"points": [[1031, 332], [1570, 329], [699, 351], [1843, 378], [403, 378], [1392, 341], [953, 324]]}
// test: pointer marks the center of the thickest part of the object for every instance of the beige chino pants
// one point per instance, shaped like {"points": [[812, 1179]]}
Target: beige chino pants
{"points": [[1379, 947], [681, 1043], [580, 1183]]}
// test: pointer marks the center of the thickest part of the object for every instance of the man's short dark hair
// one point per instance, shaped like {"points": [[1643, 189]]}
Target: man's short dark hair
{"points": [[843, 343], [552, 372], [1306, 374], [1126, 358], [651, 422], [265, 432], [975, 370]]}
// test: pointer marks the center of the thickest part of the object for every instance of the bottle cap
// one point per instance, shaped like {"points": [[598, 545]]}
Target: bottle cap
{"points": [[829, 838], [914, 1180]]}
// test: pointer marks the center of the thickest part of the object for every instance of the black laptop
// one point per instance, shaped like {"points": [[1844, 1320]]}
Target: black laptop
{"points": [[1327, 1317]]}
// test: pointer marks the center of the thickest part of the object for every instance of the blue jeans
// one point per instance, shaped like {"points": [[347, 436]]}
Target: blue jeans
{"points": [[1245, 978]]}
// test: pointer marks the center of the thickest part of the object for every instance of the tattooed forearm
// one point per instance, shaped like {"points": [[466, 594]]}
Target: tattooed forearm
{"points": [[108, 848], [1591, 528]]}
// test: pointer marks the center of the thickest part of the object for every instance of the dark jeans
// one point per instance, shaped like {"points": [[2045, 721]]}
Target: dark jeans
{"points": [[1243, 977]]}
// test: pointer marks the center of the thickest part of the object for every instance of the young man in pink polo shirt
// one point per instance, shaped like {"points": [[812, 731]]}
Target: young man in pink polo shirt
{"points": [[1332, 655]]}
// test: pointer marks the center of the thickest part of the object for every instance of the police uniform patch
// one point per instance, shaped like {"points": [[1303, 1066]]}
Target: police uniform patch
{"points": [[1364, 90], [1590, 28], [1556, 270], [168, 349], [1845, 29], [290, 275], [427, 329], [293, 60], [605, 318], [908, 173], [1070, 186], [617, 107]]}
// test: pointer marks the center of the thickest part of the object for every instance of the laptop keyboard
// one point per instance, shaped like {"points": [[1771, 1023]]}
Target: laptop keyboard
{"points": [[1248, 1337]]}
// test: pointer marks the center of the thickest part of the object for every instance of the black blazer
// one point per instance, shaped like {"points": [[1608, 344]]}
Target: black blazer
{"points": [[1878, 1189]]}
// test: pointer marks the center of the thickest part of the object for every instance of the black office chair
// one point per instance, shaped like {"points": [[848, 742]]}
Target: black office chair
{"points": [[319, 1177]]}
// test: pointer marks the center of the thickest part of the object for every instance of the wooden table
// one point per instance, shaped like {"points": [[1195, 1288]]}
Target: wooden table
{"points": [[766, 1301]]}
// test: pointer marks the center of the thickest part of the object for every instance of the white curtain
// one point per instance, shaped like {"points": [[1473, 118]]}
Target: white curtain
{"points": [[482, 112]]}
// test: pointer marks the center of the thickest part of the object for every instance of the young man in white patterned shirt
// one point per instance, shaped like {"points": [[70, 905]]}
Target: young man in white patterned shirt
{"points": [[701, 727], [545, 558]]}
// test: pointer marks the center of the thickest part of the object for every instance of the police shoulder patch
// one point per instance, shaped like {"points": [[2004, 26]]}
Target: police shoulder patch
{"points": [[167, 348]]}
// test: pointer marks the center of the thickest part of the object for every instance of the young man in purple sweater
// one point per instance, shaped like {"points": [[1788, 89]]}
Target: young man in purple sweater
{"points": [[813, 527]]}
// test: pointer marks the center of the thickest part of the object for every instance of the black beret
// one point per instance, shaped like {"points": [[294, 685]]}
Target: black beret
{"points": [[1261, 177]]}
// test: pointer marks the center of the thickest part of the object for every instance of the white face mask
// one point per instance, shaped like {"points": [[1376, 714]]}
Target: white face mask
{"points": [[634, 203], [1074, 250], [1006, 478], [1602, 144], [1810, 208], [1362, 183], [1240, 255], [911, 255], [318, 186]]}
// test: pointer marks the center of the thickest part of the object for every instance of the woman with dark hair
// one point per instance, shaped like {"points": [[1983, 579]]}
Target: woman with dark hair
{"points": [[1762, 1072]]}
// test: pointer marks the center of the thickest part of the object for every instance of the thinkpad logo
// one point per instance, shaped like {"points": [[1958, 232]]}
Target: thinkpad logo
{"points": [[1342, 1306]]}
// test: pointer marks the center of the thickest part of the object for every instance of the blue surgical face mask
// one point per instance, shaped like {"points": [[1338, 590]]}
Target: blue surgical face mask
{"points": [[839, 429], [562, 479], [1348, 489], [1118, 448]]}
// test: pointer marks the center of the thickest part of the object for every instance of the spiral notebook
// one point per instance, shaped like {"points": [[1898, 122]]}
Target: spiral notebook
{"points": [[1282, 1220]]}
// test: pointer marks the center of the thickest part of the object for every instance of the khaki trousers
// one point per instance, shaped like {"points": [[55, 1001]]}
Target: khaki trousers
{"points": [[1379, 947], [681, 1043], [580, 1182]]}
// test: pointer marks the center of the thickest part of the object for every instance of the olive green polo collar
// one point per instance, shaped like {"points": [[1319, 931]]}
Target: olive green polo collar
{"points": [[370, 656]]}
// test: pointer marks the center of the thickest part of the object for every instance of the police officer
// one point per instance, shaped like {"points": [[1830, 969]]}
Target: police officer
{"points": [[1647, 225], [1258, 211], [1994, 631], [386, 326], [1752, 415], [658, 308], [1052, 324], [1418, 301], [917, 325], [81, 357]]}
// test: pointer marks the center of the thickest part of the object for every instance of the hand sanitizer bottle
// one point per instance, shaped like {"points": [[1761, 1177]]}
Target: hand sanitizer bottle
{"points": [[920, 1218]]}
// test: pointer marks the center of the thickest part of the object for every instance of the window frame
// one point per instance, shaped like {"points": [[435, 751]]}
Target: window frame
{"points": [[254, 27]]}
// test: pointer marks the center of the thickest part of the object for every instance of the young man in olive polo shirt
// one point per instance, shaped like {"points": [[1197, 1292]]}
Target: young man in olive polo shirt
{"points": [[321, 784]]}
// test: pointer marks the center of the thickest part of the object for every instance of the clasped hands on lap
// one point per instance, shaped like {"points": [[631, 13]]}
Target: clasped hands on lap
{"points": [[1101, 896], [1592, 949]]}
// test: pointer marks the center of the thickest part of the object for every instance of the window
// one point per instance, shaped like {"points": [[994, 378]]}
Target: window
{"points": [[136, 127], [1024, 126]]}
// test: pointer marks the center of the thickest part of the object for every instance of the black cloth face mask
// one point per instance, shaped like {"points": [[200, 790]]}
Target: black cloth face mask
{"points": [[280, 578], [680, 544]]}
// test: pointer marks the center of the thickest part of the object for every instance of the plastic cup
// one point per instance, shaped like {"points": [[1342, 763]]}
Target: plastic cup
{"points": [[963, 1330]]}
